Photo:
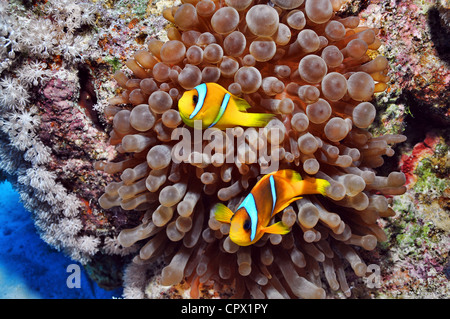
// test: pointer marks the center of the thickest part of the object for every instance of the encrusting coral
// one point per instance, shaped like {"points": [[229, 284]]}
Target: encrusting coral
{"points": [[296, 59]]}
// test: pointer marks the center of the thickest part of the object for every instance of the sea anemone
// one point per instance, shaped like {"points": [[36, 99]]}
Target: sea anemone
{"points": [[315, 71]]}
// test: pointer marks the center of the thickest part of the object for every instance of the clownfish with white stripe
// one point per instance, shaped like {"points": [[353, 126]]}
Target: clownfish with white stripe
{"points": [[270, 195], [216, 107]]}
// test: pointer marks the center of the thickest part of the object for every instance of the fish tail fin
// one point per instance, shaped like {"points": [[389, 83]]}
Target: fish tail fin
{"points": [[277, 228], [222, 213], [254, 119]]}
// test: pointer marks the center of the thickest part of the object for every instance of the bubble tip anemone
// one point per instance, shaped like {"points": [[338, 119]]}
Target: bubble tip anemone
{"points": [[320, 84]]}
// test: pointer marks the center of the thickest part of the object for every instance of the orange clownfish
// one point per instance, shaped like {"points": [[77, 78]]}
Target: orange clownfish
{"points": [[270, 195], [216, 107]]}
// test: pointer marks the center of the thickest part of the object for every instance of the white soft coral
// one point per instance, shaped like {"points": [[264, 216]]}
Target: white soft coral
{"points": [[71, 47], [33, 73], [21, 128], [71, 14], [13, 95]]}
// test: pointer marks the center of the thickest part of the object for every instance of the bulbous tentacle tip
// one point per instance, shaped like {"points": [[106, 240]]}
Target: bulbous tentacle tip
{"points": [[319, 86]]}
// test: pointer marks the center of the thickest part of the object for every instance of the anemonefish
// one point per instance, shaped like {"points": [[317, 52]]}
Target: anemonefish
{"points": [[270, 195], [216, 107]]}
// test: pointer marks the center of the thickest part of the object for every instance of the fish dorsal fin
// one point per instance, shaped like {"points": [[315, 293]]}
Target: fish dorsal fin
{"points": [[289, 174], [222, 213], [277, 228], [241, 104]]}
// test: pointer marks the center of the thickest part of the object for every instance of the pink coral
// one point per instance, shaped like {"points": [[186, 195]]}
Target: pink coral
{"points": [[408, 163]]}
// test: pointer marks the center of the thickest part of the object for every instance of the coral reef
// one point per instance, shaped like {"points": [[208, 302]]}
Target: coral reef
{"points": [[307, 65], [418, 242], [415, 255], [31, 80], [418, 53], [50, 131], [58, 58]]}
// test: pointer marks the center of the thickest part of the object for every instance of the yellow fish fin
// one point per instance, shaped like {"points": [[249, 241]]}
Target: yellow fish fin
{"points": [[289, 174], [253, 119], [222, 213], [322, 185], [277, 228], [241, 104], [286, 204], [312, 186]]}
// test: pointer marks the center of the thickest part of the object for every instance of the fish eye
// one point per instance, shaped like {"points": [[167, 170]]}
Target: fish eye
{"points": [[247, 225], [195, 99]]}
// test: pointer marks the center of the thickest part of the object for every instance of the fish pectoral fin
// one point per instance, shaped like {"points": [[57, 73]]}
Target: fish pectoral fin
{"points": [[277, 228], [222, 213]]}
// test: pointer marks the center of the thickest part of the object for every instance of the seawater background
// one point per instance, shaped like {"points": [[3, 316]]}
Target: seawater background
{"points": [[30, 268]]}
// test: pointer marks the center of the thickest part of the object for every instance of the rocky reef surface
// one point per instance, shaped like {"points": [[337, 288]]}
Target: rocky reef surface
{"points": [[415, 260], [58, 59]]}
